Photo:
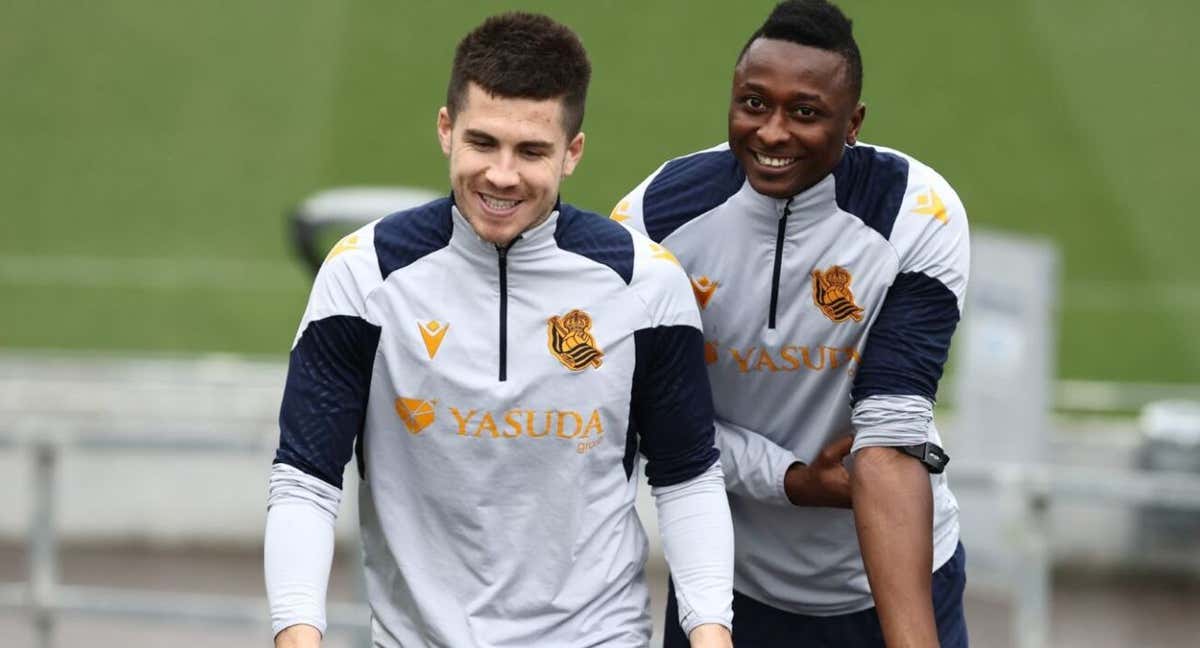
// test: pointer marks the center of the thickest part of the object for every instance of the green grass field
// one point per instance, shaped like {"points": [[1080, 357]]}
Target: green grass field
{"points": [[150, 149]]}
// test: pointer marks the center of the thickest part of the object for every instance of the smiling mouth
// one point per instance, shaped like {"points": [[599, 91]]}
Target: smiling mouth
{"points": [[498, 205], [773, 162]]}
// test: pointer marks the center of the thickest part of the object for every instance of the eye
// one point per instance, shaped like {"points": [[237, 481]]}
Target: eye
{"points": [[532, 153], [805, 111], [754, 104]]}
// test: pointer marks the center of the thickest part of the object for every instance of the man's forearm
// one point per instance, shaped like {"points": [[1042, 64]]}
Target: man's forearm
{"points": [[298, 636], [893, 511]]}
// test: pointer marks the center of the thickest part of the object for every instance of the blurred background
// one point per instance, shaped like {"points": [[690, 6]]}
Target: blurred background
{"points": [[153, 154]]}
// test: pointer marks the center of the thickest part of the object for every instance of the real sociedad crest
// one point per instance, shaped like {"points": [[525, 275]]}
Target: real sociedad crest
{"points": [[570, 340], [831, 293]]}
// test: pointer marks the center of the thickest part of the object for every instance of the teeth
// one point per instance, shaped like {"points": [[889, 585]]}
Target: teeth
{"points": [[498, 204], [773, 161]]}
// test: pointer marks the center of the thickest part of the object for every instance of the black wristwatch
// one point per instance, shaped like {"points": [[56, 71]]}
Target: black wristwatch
{"points": [[930, 454]]}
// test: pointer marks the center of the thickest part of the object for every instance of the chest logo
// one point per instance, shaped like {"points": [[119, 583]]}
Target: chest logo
{"points": [[930, 204], [704, 288], [417, 413], [432, 333], [831, 293], [570, 340]]}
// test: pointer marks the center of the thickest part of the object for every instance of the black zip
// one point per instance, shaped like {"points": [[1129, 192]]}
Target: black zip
{"points": [[504, 312], [502, 252], [778, 264]]}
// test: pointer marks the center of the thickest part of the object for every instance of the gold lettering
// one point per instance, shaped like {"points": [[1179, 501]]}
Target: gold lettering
{"points": [[743, 362], [831, 354], [764, 359], [788, 353], [593, 425], [512, 418], [808, 360], [462, 422], [562, 417], [530, 429], [488, 423]]}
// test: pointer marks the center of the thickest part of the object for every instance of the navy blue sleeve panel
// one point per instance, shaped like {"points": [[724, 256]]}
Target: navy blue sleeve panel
{"points": [[910, 340], [406, 236], [687, 188], [325, 397], [870, 184], [671, 408], [597, 238]]}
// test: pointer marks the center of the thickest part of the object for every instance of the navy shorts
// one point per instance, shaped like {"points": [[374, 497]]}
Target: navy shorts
{"points": [[757, 625]]}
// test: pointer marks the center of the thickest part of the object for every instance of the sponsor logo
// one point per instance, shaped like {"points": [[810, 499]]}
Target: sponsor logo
{"points": [[831, 293], [620, 213], [345, 245], [930, 204], [416, 413], [534, 424], [659, 252], [570, 340], [712, 352], [704, 288], [793, 357], [432, 333], [585, 428]]}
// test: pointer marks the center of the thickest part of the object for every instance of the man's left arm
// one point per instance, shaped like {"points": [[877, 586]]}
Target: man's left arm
{"points": [[672, 411], [893, 398]]}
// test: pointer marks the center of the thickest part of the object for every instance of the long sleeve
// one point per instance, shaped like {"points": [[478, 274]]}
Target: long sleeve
{"points": [[697, 536], [754, 465], [298, 547]]}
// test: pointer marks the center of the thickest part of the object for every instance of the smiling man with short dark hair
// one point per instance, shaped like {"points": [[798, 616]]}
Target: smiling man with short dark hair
{"points": [[500, 363], [829, 273]]}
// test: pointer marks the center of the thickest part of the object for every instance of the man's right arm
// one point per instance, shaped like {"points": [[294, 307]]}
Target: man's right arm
{"points": [[322, 416], [760, 469]]}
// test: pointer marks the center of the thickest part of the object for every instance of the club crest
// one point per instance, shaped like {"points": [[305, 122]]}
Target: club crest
{"points": [[570, 340], [831, 293]]}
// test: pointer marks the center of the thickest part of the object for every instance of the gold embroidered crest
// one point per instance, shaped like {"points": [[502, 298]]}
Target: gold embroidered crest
{"points": [[570, 340], [831, 293]]}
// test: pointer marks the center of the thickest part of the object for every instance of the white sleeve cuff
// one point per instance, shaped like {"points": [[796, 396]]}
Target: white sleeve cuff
{"points": [[697, 537], [891, 421]]}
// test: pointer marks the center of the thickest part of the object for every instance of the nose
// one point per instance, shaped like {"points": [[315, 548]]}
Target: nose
{"points": [[502, 173], [773, 132]]}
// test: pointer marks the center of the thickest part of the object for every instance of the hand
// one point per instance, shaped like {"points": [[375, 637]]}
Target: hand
{"points": [[298, 636], [824, 482], [710, 635]]}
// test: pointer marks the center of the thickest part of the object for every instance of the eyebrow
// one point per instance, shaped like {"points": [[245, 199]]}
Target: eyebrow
{"points": [[799, 95], [484, 136]]}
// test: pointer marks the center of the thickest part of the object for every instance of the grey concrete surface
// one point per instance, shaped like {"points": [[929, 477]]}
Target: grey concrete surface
{"points": [[1091, 609]]}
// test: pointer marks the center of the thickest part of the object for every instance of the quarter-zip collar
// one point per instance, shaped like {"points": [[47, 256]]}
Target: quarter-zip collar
{"points": [[817, 201], [533, 243]]}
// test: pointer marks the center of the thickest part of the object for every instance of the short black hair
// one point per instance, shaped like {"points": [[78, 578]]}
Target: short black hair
{"points": [[524, 56], [814, 23]]}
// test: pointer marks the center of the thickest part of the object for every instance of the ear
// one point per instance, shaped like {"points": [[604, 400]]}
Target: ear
{"points": [[445, 126], [574, 153], [856, 122]]}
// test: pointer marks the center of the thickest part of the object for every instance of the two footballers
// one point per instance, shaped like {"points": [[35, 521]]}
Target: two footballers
{"points": [[828, 307]]}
